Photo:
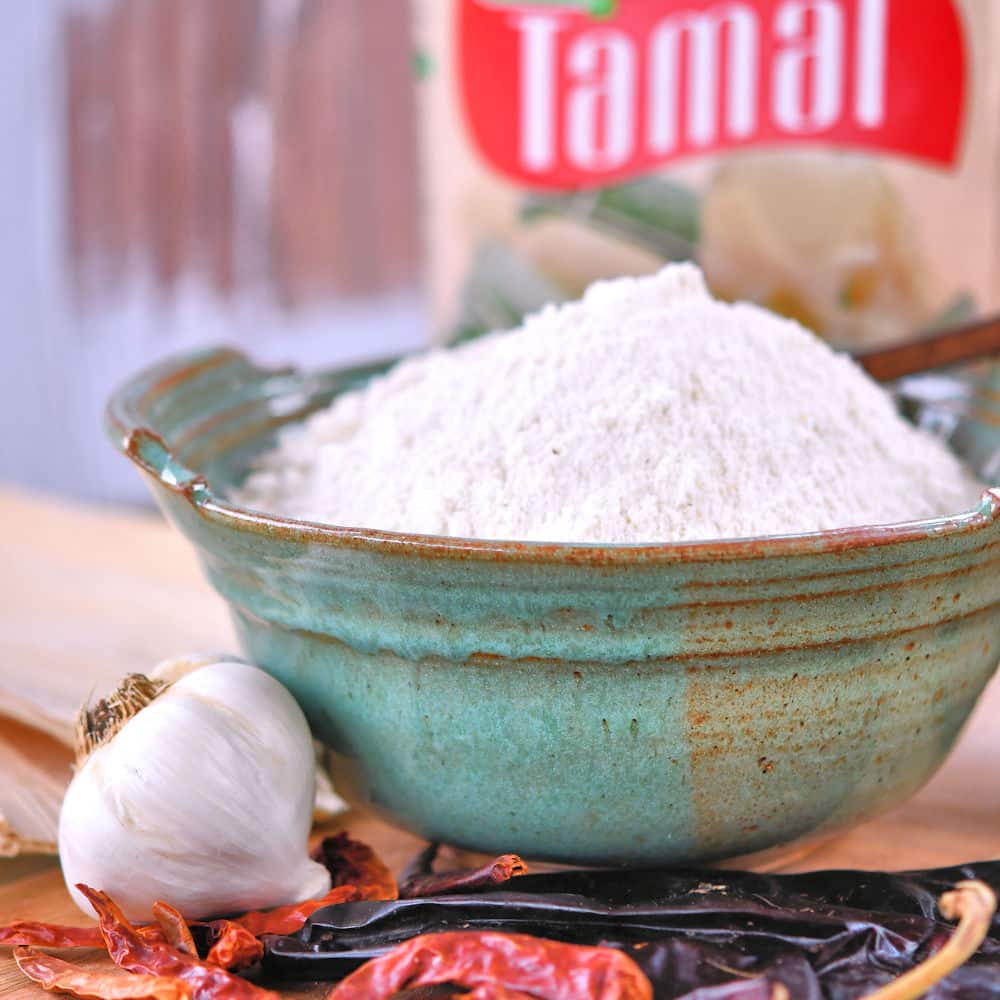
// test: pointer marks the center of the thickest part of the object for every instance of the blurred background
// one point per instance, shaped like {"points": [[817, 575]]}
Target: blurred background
{"points": [[182, 178], [184, 173]]}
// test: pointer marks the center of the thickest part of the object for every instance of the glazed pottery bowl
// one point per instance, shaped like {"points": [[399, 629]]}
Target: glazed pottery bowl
{"points": [[581, 703]]}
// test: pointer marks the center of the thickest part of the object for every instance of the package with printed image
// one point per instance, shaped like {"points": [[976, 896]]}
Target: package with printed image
{"points": [[835, 160]]}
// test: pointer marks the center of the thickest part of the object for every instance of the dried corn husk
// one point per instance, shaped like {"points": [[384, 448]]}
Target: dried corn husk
{"points": [[124, 589], [36, 770]]}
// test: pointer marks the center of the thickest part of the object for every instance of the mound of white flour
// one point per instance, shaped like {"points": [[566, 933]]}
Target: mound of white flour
{"points": [[646, 412]]}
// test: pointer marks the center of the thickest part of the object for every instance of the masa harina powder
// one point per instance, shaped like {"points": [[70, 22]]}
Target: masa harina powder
{"points": [[645, 412]]}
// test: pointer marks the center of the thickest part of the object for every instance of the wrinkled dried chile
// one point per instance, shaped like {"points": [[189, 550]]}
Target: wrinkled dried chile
{"points": [[351, 862], [31, 933], [175, 928], [824, 935], [130, 951], [232, 946], [499, 967], [420, 879], [58, 976]]}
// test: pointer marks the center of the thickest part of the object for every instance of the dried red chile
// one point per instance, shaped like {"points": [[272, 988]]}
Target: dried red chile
{"points": [[824, 935], [129, 950], [58, 976], [499, 967], [420, 879]]}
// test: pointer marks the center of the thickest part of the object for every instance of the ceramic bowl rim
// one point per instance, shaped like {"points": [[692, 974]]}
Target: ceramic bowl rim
{"points": [[126, 426]]}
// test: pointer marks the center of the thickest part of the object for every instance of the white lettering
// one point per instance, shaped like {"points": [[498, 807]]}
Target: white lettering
{"points": [[793, 110], [597, 141], [702, 77], [870, 100], [538, 90], [704, 33]]}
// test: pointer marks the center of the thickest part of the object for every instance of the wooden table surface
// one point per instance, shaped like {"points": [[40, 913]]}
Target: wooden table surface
{"points": [[118, 588]]}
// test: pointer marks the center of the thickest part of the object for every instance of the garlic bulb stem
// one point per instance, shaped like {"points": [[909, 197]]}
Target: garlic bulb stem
{"points": [[97, 724]]}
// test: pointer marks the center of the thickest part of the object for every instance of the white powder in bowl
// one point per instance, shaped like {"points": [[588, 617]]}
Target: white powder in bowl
{"points": [[646, 412]]}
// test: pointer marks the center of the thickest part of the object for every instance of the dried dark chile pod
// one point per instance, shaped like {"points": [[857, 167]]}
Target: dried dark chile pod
{"points": [[825, 935]]}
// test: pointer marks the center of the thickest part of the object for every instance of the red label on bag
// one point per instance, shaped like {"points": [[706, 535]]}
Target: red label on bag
{"points": [[556, 97]]}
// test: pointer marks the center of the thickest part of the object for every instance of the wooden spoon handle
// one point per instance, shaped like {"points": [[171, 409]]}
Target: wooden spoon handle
{"points": [[964, 343]]}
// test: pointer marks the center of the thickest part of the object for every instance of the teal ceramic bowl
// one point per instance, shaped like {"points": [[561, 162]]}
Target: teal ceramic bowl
{"points": [[581, 703]]}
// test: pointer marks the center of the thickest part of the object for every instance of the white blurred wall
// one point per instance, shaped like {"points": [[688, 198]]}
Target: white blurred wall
{"points": [[67, 339]]}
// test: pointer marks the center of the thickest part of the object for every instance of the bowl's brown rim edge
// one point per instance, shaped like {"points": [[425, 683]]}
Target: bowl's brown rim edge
{"points": [[125, 428]]}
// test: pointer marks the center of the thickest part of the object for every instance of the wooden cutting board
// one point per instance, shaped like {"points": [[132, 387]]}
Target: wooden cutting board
{"points": [[91, 594]]}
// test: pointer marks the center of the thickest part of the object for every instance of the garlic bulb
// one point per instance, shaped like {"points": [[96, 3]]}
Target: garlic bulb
{"points": [[203, 797]]}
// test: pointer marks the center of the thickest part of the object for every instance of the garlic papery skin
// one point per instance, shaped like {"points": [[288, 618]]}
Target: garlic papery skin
{"points": [[203, 799]]}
